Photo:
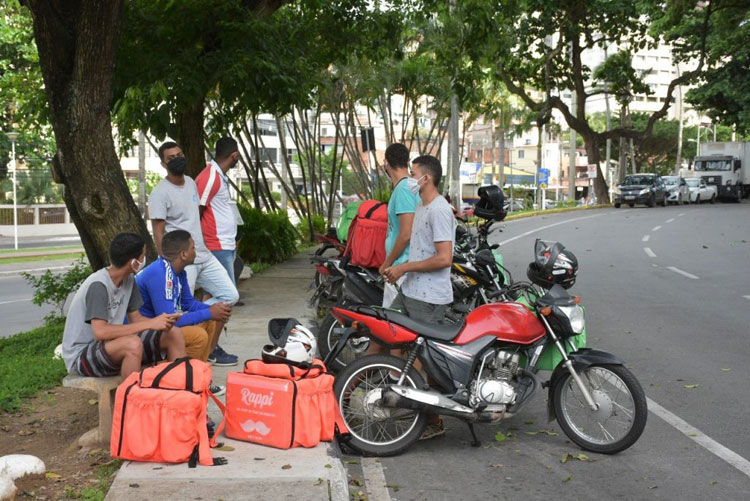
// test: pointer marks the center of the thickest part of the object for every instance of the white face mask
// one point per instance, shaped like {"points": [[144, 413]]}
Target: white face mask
{"points": [[414, 185], [140, 265]]}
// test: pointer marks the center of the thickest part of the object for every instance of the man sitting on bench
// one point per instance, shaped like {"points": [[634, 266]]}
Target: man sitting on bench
{"points": [[165, 290], [95, 342]]}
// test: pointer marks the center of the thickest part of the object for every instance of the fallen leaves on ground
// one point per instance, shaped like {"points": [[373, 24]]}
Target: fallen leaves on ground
{"points": [[225, 448], [51, 474], [567, 479], [579, 457], [286, 467], [549, 433], [691, 386], [500, 437]]}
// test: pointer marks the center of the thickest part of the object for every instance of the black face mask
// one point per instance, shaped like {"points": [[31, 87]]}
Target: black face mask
{"points": [[177, 166]]}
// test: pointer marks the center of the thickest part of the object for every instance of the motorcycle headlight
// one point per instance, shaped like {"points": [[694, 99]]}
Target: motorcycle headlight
{"points": [[644, 191], [574, 314]]}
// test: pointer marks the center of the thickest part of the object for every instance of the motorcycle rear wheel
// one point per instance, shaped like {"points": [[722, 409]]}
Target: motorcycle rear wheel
{"points": [[376, 430], [621, 417], [327, 339]]}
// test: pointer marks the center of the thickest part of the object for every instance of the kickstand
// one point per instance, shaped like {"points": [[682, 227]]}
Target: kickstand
{"points": [[475, 442]]}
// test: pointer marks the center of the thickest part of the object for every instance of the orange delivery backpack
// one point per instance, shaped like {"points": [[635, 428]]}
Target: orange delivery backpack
{"points": [[365, 243], [160, 415], [282, 405]]}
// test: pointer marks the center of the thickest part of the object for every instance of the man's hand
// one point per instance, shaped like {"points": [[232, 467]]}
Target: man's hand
{"points": [[393, 273], [220, 311], [163, 322], [383, 267]]}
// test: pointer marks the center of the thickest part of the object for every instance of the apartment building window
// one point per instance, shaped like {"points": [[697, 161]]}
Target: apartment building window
{"points": [[520, 153]]}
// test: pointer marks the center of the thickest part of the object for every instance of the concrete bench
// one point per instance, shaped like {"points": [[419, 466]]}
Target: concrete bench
{"points": [[105, 388]]}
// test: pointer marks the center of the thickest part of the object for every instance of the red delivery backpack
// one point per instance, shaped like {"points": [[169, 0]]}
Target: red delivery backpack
{"points": [[365, 244], [160, 415], [282, 405]]}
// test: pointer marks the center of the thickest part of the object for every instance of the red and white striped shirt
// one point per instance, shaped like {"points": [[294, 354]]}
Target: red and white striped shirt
{"points": [[218, 221]]}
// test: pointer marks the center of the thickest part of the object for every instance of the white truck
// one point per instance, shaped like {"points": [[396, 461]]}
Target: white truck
{"points": [[726, 166]]}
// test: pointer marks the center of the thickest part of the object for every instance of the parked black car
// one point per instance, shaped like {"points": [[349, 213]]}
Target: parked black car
{"points": [[647, 189]]}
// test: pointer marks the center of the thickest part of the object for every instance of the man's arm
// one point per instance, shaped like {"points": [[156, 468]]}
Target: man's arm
{"points": [[104, 331], [405, 222], [443, 259], [159, 226]]}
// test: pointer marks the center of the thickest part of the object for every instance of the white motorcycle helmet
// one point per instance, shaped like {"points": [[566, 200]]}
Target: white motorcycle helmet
{"points": [[292, 342]]}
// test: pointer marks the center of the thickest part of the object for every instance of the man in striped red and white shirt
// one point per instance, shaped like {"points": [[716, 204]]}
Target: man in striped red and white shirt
{"points": [[218, 212]]}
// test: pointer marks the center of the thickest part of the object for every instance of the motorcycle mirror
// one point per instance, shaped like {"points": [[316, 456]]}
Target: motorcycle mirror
{"points": [[494, 246]]}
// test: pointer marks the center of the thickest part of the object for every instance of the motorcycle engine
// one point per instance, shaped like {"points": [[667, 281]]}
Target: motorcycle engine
{"points": [[493, 387]]}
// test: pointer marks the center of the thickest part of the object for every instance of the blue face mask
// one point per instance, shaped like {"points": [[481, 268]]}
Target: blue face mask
{"points": [[413, 184]]}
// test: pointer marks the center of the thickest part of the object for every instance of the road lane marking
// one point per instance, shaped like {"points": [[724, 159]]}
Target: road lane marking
{"points": [[4, 274], [649, 252], [549, 226], [670, 220], [15, 301], [656, 228], [683, 273], [645, 238], [375, 480], [700, 438]]}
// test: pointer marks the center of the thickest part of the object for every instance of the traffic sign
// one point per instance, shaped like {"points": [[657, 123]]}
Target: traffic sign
{"points": [[543, 177], [592, 171]]}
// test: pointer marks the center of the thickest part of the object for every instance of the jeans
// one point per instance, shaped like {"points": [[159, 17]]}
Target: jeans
{"points": [[213, 278], [226, 258]]}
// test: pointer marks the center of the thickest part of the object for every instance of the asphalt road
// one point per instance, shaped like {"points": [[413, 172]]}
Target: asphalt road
{"points": [[666, 289], [17, 312], [8, 243]]}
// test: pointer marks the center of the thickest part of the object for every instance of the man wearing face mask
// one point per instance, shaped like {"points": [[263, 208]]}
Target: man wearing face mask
{"points": [[401, 207], [173, 205], [219, 214], [95, 341], [427, 289]]}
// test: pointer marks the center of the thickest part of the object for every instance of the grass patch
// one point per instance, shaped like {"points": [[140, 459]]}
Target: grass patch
{"points": [[105, 474], [259, 267], [530, 213], [51, 257], [39, 250], [27, 366]]}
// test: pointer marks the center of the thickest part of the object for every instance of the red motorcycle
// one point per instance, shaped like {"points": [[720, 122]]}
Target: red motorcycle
{"points": [[484, 368]]}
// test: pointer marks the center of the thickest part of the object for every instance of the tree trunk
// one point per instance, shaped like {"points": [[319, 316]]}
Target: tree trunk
{"points": [[190, 137], [594, 157], [77, 43]]}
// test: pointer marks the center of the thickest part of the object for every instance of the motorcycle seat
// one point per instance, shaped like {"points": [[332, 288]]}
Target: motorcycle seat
{"points": [[441, 332]]}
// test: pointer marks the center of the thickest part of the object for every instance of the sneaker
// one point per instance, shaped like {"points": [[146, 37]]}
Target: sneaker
{"points": [[433, 430], [217, 389], [221, 358]]}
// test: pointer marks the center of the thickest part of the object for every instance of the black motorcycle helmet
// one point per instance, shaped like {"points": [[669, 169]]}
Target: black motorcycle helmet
{"points": [[553, 264], [490, 205]]}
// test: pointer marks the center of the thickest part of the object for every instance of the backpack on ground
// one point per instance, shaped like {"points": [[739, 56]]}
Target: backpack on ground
{"points": [[160, 415], [282, 405], [366, 240]]}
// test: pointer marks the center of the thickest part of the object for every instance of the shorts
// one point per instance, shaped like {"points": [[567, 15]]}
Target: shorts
{"points": [[419, 310], [94, 361], [390, 291], [213, 278]]}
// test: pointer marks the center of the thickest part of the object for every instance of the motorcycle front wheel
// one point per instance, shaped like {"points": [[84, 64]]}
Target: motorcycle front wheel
{"points": [[377, 430], [328, 338], [621, 415]]}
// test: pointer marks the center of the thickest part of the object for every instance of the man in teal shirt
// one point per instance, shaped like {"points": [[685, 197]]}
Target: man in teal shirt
{"points": [[401, 207]]}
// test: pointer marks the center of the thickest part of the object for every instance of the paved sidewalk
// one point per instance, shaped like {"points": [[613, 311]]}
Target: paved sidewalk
{"points": [[254, 471]]}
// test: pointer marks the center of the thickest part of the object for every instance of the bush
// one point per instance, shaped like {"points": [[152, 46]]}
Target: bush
{"points": [[54, 288], [319, 226], [27, 366], [266, 237]]}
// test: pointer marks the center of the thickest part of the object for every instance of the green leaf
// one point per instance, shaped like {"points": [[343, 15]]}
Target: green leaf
{"points": [[500, 437], [567, 479], [691, 386]]}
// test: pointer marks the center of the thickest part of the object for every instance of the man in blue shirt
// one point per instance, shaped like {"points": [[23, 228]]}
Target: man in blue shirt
{"points": [[401, 207], [164, 288]]}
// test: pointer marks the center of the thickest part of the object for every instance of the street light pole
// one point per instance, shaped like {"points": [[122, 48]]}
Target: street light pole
{"points": [[13, 136]]}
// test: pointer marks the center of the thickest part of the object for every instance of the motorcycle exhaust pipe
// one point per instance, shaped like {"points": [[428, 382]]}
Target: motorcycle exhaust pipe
{"points": [[403, 397]]}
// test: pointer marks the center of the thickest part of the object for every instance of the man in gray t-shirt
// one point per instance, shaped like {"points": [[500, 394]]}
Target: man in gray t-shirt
{"points": [[95, 341], [174, 205], [427, 288]]}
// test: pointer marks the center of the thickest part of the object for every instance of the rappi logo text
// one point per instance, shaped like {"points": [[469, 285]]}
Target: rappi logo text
{"points": [[256, 399]]}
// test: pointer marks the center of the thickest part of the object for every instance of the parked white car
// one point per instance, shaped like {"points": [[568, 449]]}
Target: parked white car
{"points": [[678, 191], [700, 191]]}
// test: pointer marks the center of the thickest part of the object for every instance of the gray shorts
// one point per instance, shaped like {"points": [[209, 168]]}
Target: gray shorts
{"points": [[419, 310], [94, 361]]}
